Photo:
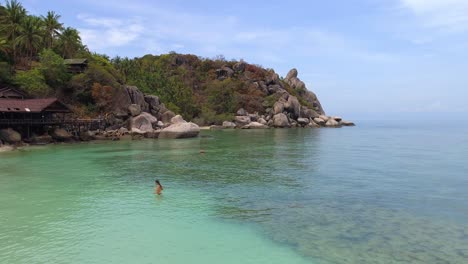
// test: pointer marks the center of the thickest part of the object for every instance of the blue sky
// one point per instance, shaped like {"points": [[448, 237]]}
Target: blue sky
{"points": [[363, 58]]}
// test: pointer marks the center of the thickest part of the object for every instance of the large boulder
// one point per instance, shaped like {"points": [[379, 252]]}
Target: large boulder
{"points": [[319, 121], [137, 97], [241, 112], [154, 103], [332, 123], [87, 135], [242, 120], [278, 107], [255, 125], [177, 119], [227, 124], [280, 120], [291, 74], [134, 109], [262, 121], [125, 96], [308, 113], [10, 136], [167, 116], [144, 122], [61, 134], [180, 130], [293, 106], [303, 121]]}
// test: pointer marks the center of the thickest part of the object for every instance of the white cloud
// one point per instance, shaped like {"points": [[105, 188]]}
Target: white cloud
{"points": [[103, 33], [445, 15]]}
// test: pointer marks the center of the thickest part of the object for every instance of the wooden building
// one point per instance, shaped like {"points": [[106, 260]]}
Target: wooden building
{"points": [[76, 65], [17, 112], [11, 93]]}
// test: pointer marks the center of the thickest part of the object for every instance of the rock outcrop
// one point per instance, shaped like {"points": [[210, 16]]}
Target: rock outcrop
{"points": [[180, 130], [61, 134], [10, 136]]}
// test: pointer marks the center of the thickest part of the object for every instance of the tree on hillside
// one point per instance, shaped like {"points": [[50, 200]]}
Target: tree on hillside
{"points": [[69, 42], [11, 22], [30, 36], [52, 28]]}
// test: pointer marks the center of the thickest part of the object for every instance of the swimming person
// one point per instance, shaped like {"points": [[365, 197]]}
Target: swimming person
{"points": [[158, 188]]}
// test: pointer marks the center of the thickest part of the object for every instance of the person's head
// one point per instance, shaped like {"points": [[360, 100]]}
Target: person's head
{"points": [[157, 182]]}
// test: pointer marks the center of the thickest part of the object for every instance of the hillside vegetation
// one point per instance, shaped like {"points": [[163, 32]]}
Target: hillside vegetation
{"points": [[207, 91]]}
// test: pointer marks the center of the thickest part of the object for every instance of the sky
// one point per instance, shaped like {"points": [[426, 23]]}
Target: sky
{"points": [[364, 59]]}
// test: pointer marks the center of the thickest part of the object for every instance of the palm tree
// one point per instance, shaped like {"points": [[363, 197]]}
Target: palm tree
{"points": [[13, 15], [4, 46], [52, 27], [69, 42], [30, 36]]}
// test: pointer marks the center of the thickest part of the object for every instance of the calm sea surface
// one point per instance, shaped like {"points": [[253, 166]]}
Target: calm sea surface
{"points": [[370, 194]]}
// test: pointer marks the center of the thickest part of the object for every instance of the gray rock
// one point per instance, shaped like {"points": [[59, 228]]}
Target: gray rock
{"points": [[41, 140], [324, 118], [291, 74], [278, 107], [160, 124], [177, 119], [10, 136], [241, 112], [227, 124], [337, 118], [303, 121], [167, 116], [262, 121], [332, 123], [253, 117], [242, 120], [293, 106], [312, 124], [308, 113], [240, 66], [153, 102], [87, 136], [347, 123], [134, 109], [144, 122], [61, 134], [280, 120], [180, 130], [319, 121], [255, 125], [137, 97]]}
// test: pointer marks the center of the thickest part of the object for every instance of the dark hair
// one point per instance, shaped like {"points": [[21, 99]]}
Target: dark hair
{"points": [[157, 182]]}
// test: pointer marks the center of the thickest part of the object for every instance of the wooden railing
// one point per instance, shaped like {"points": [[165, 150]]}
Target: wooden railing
{"points": [[51, 121]]}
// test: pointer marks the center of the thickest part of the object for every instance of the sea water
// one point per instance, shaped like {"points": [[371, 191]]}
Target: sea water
{"points": [[370, 194]]}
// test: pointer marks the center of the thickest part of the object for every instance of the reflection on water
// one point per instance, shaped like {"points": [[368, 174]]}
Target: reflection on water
{"points": [[361, 195]]}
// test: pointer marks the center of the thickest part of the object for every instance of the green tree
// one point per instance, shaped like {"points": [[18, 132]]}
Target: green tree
{"points": [[52, 28], [33, 82], [11, 23], [53, 69], [30, 36], [69, 42]]}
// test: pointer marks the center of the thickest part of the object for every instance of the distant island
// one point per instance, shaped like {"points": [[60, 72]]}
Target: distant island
{"points": [[47, 74]]}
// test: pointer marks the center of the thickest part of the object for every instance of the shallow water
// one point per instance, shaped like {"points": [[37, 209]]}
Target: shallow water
{"points": [[369, 194]]}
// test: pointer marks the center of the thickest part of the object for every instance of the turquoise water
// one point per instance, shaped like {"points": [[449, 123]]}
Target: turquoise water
{"points": [[369, 194]]}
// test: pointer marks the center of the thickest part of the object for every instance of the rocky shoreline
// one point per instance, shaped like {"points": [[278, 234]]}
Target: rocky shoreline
{"points": [[134, 115]]}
